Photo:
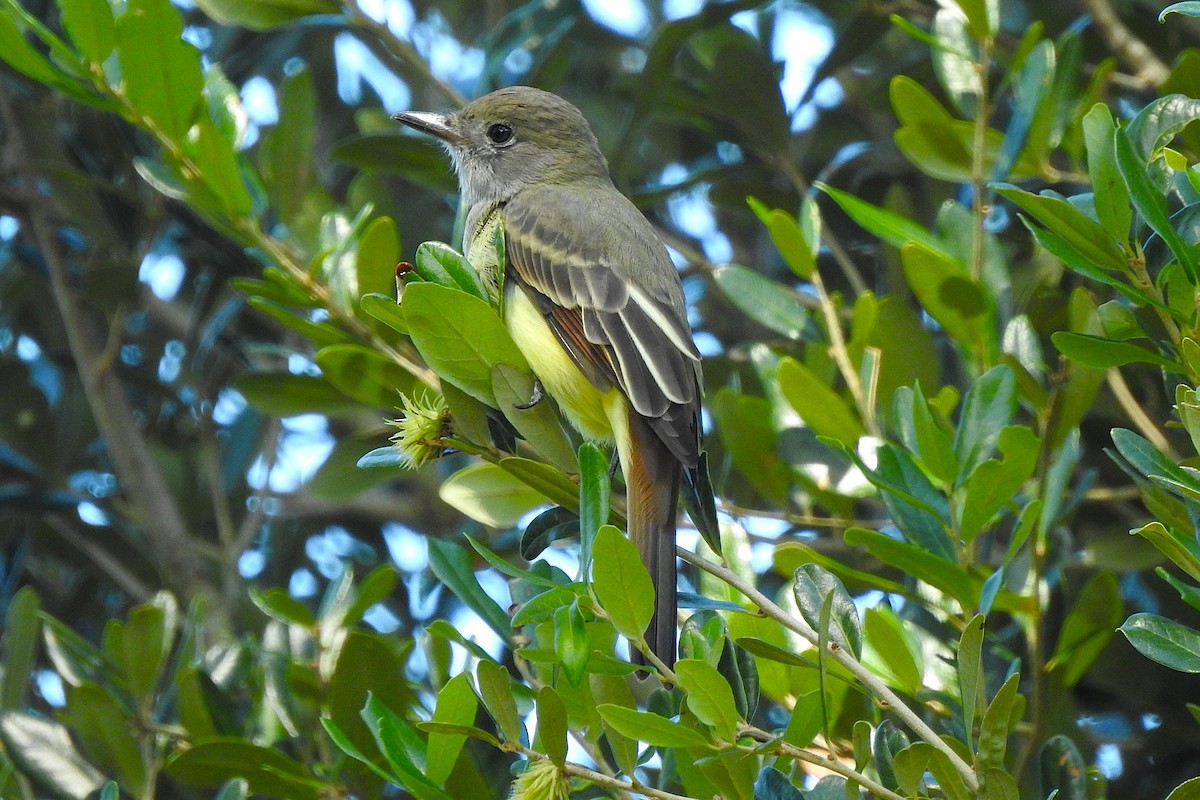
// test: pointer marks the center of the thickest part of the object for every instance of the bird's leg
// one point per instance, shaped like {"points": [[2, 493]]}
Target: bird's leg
{"points": [[534, 399]]}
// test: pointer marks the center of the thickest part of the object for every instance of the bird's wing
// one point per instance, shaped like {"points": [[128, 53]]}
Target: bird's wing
{"points": [[609, 291]]}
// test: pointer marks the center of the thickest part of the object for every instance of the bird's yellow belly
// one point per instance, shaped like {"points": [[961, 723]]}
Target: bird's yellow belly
{"points": [[594, 413]]}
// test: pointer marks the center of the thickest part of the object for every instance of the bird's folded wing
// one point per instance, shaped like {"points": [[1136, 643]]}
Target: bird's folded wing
{"points": [[612, 296]]}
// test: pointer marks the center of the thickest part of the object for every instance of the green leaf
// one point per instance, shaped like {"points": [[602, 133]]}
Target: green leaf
{"points": [[375, 260], [267, 770], [892, 644], [279, 605], [161, 72], [261, 15], [1150, 461], [1164, 640], [1088, 628], [892, 228], [456, 705], [1190, 8], [572, 644], [999, 720], [744, 424], [948, 293], [42, 750], [595, 486], [363, 374], [148, 638], [490, 494], [888, 741], [994, 483], [113, 792], [643, 726], [988, 407], [452, 565], [106, 732], [983, 17], [21, 629], [1158, 123], [460, 337], [970, 672], [284, 394], [772, 784], [552, 724], [709, 696], [821, 408], [1152, 206], [442, 264], [495, 687], [812, 585], [1080, 231], [762, 300], [383, 308], [1111, 196], [1182, 550], [622, 583], [90, 25], [935, 570], [789, 239], [1102, 352], [1189, 789], [538, 424]]}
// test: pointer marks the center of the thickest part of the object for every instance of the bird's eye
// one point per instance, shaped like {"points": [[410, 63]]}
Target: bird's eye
{"points": [[500, 133]]}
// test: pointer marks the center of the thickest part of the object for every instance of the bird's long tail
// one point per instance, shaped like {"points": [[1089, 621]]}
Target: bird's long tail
{"points": [[652, 476]]}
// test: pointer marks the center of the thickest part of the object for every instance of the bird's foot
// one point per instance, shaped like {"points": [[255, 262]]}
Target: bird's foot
{"points": [[535, 398]]}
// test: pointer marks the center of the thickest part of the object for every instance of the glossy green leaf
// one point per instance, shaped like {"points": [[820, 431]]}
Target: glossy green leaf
{"points": [[1084, 234], [709, 696], [643, 726], [622, 583], [821, 408], [812, 585], [1189, 8], [460, 337], [764, 301], [1152, 206], [595, 488], [572, 644], [988, 408], [1159, 122], [1164, 640], [888, 741], [1182, 550], [452, 565], [383, 308], [970, 672], [456, 705], [375, 260], [772, 784], [441, 264], [895, 650], [489, 494], [999, 720], [541, 477]]}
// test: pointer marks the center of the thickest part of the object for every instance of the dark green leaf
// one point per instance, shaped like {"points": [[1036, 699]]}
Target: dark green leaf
{"points": [[267, 770], [1190, 8], [988, 407], [1164, 640], [594, 490], [1088, 627], [970, 672], [1152, 206], [772, 784], [1102, 353], [888, 741], [1157, 124], [21, 635], [1111, 196], [1063, 769], [812, 585], [1080, 231], [999, 720], [572, 645]]}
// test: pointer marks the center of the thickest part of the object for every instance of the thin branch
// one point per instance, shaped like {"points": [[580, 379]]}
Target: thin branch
{"points": [[885, 696], [1132, 50], [831, 764], [599, 778], [109, 564], [1137, 415]]}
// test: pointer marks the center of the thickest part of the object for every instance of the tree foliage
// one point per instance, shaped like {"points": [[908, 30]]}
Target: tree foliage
{"points": [[951, 332]]}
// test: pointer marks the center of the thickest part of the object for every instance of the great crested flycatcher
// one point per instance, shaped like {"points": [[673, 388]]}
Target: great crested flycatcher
{"points": [[590, 297]]}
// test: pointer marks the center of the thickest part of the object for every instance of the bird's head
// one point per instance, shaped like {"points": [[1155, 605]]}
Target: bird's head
{"points": [[514, 138]]}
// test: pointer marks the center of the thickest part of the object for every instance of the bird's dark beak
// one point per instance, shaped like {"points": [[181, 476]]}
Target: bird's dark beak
{"points": [[439, 125]]}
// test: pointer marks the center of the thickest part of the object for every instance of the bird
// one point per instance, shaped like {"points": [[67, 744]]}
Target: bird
{"points": [[591, 297]]}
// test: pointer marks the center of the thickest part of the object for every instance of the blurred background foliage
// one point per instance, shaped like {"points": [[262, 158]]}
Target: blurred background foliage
{"points": [[189, 380]]}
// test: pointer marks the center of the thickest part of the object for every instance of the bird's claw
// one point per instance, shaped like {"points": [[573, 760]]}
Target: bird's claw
{"points": [[534, 399]]}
